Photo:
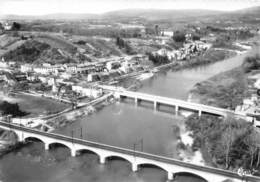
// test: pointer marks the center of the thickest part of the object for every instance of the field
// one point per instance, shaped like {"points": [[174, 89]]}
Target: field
{"points": [[36, 105]]}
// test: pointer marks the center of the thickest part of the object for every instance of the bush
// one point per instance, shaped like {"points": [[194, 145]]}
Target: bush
{"points": [[11, 109], [251, 63]]}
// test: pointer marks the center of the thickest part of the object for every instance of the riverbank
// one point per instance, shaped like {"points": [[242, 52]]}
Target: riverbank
{"points": [[135, 82], [211, 56], [225, 90]]}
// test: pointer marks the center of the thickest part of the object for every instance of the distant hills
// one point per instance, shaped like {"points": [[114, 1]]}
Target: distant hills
{"points": [[160, 14], [152, 14]]}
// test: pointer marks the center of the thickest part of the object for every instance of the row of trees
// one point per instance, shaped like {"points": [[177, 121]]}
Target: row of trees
{"points": [[229, 142]]}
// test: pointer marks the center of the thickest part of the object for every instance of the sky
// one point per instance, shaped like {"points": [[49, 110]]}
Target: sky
{"points": [[41, 7]]}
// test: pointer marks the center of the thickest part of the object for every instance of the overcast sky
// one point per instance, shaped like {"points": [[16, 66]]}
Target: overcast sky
{"points": [[40, 7]]}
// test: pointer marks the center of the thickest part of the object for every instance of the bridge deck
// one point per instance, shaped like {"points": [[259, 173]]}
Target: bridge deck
{"points": [[178, 102]]}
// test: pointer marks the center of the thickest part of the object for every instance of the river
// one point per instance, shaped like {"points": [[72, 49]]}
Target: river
{"points": [[120, 124]]}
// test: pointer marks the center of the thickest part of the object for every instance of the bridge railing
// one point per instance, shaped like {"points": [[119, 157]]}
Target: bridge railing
{"points": [[128, 152]]}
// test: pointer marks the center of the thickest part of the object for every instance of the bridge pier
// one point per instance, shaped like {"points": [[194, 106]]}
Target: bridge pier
{"points": [[155, 105], [170, 176], [46, 146], [136, 101], [134, 167], [200, 112], [102, 160], [176, 110], [73, 153]]}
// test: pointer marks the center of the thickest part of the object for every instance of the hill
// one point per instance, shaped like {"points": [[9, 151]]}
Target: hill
{"points": [[157, 14], [34, 51]]}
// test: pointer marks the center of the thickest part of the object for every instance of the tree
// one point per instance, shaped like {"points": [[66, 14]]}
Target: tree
{"points": [[120, 42], [251, 62], [179, 37], [16, 26], [158, 59], [1, 26], [227, 141], [11, 109], [156, 27], [195, 37]]}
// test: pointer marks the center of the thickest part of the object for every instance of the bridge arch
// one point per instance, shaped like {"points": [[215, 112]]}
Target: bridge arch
{"points": [[32, 138], [177, 174], [141, 165], [116, 157], [59, 144], [80, 151]]}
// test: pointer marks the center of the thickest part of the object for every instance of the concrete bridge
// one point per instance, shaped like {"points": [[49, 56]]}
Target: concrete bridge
{"points": [[176, 103], [136, 159]]}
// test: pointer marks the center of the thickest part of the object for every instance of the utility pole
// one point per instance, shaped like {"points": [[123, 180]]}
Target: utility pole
{"points": [[72, 133], [134, 149], [142, 145], [81, 136]]}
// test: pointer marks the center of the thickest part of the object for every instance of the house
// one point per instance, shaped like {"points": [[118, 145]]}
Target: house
{"points": [[47, 69], [113, 65], [43, 79], [31, 76], [99, 67], [26, 68], [10, 79], [41, 70], [167, 33], [93, 77], [88, 92], [20, 77], [7, 26], [65, 75], [3, 64], [162, 52]]}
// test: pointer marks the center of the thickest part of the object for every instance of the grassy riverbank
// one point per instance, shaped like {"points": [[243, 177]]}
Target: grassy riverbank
{"points": [[228, 89], [225, 90]]}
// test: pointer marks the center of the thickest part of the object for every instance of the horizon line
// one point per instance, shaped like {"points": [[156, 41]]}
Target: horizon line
{"points": [[129, 9]]}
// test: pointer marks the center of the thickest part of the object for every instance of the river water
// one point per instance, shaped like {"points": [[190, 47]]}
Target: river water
{"points": [[120, 124]]}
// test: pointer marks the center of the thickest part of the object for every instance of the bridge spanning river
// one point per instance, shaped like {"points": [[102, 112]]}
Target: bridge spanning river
{"points": [[176, 103], [137, 159]]}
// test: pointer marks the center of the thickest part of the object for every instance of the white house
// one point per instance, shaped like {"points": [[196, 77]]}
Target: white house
{"points": [[26, 68], [89, 92], [3, 64], [167, 33], [112, 65], [7, 26]]}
